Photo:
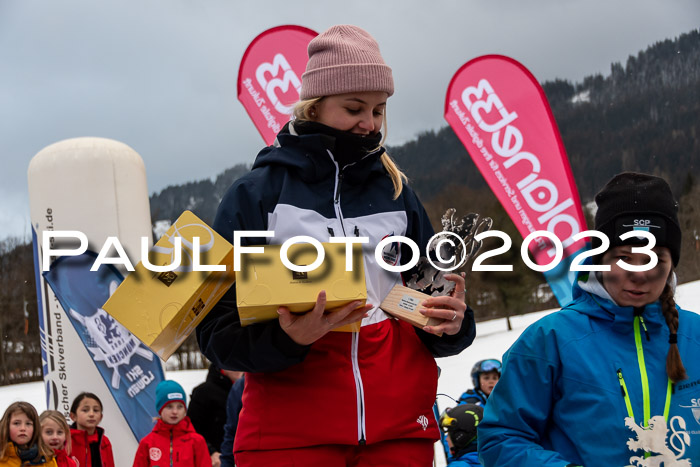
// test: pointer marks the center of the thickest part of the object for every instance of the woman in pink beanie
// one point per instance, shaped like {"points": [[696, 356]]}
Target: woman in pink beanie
{"points": [[314, 397]]}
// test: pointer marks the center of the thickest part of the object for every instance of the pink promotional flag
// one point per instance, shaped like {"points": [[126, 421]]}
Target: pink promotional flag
{"points": [[269, 78], [502, 117]]}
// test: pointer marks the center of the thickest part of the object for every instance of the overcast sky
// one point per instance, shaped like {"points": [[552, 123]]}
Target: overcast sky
{"points": [[160, 75]]}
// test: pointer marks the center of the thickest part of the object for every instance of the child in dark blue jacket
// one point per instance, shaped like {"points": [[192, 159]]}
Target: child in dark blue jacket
{"points": [[234, 404], [459, 423]]}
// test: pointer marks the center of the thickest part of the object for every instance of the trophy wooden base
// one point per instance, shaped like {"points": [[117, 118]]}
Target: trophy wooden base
{"points": [[404, 303]]}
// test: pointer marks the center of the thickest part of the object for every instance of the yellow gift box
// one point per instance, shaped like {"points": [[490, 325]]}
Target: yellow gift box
{"points": [[162, 308], [264, 282]]}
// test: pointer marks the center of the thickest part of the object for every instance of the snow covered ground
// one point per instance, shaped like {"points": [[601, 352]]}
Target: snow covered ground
{"points": [[492, 340]]}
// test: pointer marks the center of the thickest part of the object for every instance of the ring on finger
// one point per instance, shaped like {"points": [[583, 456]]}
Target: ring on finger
{"points": [[455, 315], [328, 322]]}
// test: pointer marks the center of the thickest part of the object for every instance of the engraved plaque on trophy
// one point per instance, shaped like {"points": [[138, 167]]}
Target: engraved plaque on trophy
{"points": [[449, 249]]}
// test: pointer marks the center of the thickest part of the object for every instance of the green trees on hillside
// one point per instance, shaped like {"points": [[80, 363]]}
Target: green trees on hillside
{"points": [[20, 351]]}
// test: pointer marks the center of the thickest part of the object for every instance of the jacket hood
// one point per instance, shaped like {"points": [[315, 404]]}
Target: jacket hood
{"points": [[591, 298], [317, 162], [184, 426]]}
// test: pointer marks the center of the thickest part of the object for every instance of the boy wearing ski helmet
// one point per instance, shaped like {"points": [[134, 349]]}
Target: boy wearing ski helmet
{"points": [[460, 425], [485, 374]]}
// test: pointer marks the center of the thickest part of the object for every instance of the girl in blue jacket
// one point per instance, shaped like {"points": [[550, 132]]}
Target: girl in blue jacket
{"points": [[613, 378]]}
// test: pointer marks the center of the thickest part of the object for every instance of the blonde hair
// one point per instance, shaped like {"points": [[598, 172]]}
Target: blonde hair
{"points": [[58, 418], [303, 111], [29, 410]]}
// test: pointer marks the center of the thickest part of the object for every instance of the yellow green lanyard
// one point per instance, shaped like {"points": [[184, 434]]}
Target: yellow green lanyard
{"points": [[645, 380]]}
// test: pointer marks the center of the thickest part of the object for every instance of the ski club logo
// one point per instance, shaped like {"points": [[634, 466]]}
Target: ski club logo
{"points": [[390, 252], [155, 454], [109, 341], [423, 421], [652, 440], [642, 224], [694, 408]]}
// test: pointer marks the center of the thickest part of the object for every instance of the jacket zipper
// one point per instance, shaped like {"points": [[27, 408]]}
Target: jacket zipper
{"points": [[336, 198], [642, 368], [625, 393], [171, 448], [638, 313], [355, 335], [359, 389], [338, 184]]}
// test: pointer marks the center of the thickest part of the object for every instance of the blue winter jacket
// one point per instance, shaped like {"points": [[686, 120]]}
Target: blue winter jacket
{"points": [[560, 400], [470, 459], [473, 396]]}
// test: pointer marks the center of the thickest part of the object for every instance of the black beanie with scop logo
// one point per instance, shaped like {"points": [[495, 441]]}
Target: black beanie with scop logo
{"points": [[636, 201]]}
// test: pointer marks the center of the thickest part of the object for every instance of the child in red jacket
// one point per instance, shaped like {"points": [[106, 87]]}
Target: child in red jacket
{"points": [[173, 441], [55, 432], [90, 445]]}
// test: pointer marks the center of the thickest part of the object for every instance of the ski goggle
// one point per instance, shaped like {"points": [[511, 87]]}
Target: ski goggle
{"points": [[489, 365]]}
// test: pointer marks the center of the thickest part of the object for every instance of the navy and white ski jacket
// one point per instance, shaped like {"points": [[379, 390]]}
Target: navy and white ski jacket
{"points": [[567, 381], [346, 388]]}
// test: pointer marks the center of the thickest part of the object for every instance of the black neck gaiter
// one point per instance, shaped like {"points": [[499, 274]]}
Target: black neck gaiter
{"points": [[346, 147], [30, 455]]}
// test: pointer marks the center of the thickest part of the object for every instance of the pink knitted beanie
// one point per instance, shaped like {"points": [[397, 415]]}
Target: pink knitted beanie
{"points": [[344, 59]]}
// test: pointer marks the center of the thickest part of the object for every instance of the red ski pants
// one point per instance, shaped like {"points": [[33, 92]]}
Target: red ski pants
{"points": [[394, 453]]}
